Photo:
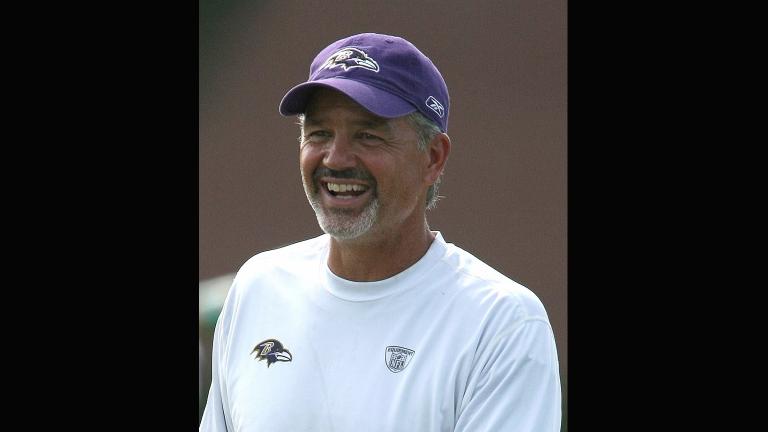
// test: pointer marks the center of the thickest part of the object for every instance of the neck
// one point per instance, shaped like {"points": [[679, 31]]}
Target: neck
{"points": [[379, 256]]}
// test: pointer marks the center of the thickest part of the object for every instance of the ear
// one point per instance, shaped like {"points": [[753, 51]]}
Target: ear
{"points": [[438, 151]]}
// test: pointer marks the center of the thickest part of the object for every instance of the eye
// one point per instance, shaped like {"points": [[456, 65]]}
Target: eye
{"points": [[368, 137], [317, 135]]}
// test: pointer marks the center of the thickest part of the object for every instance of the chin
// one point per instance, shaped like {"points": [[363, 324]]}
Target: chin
{"points": [[342, 225]]}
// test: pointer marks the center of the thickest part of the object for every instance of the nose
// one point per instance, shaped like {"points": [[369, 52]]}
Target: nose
{"points": [[340, 153]]}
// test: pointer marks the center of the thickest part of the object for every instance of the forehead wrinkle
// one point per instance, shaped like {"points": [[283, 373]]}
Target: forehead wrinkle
{"points": [[361, 120], [326, 100]]}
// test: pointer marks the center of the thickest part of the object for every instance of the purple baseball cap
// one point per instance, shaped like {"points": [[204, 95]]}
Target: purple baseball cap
{"points": [[386, 74]]}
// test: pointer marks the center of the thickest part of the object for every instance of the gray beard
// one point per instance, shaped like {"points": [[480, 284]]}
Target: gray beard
{"points": [[342, 224]]}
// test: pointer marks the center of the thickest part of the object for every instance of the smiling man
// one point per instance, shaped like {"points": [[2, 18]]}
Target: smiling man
{"points": [[379, 324], [367, 180]]}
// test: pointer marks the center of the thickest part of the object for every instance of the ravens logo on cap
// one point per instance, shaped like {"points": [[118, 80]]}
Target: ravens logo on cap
{"points": [[348, 58]]}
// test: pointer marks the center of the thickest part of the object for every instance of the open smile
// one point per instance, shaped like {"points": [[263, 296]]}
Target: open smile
{"points": [[344, 192]]}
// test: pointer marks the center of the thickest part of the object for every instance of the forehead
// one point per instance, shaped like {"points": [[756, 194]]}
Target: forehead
{"points": [[325, 103]]}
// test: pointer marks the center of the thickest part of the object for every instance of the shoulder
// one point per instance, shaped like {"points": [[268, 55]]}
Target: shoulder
{"points": [[484, 288], [280, 263], [285, 257]]}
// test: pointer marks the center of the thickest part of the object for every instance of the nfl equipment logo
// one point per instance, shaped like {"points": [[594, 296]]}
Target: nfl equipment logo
{"points": [[397, 358]]}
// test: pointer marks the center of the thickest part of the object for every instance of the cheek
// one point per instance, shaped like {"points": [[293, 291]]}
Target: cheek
{"points": [[308, 160], [410, 182], [398, 181]]}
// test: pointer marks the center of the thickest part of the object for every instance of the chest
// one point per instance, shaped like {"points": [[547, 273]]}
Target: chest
{"points": [[373, 369]]}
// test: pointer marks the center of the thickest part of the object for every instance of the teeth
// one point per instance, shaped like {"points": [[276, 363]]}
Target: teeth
{"points": [[338, 187]]}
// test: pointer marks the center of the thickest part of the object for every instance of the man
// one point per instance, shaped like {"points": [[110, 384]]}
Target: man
{"points": [[379, 324]]}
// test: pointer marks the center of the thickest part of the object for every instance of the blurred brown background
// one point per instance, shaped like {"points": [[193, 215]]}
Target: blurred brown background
{"points": [[505, 183]]}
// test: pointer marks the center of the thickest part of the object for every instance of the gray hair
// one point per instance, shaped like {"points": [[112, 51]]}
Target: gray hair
{"points": [[426, 130]]}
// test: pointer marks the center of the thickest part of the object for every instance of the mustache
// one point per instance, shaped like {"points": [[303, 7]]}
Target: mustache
{"points": [[349, 173]]}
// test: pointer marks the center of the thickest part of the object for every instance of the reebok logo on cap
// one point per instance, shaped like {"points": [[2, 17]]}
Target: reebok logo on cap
{"points": [[435, 106]]}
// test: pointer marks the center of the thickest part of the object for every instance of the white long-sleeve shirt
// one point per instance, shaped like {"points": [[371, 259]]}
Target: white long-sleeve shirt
{"points": [[449, 344]]}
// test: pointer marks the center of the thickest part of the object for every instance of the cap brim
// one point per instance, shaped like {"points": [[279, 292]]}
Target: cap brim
{"points": [[379, 102]]}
